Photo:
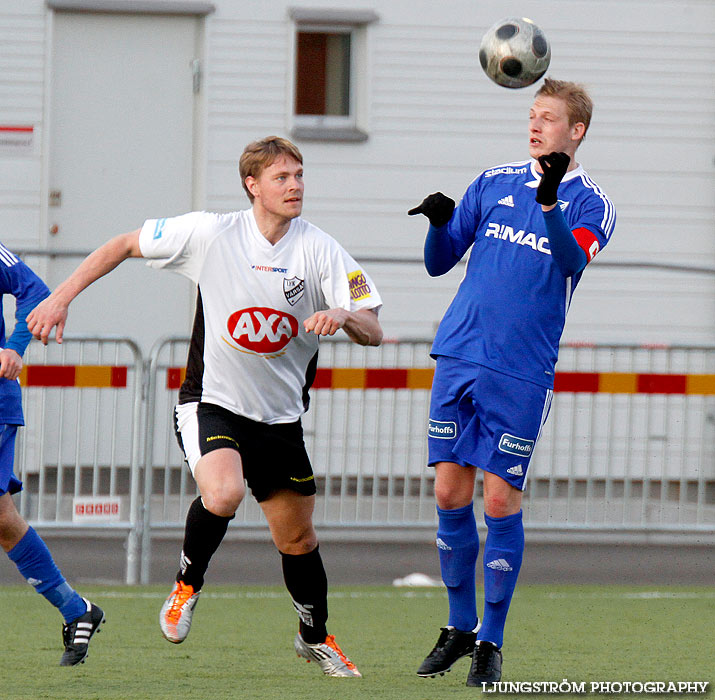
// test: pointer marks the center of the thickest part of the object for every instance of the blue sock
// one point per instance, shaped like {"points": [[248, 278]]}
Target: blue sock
{"points": [[458, 544], [503, 552], [35, 563]]}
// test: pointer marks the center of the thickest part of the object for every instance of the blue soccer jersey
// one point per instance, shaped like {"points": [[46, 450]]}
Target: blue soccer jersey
{"points": [[510, 309], [20, 281]]}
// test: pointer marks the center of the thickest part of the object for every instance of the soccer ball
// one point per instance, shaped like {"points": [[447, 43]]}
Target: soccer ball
{"points": [[514, 52]]}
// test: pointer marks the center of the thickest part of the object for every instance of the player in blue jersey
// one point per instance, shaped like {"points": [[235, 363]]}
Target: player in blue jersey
{"points": [[533, 226], [23, 545]]}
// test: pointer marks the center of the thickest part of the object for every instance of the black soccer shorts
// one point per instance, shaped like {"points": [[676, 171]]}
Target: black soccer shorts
{"points": [[273, 456]]}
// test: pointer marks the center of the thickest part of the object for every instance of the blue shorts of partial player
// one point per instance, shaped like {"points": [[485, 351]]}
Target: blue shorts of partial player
{"points": [[9, 483], [483, 418]]}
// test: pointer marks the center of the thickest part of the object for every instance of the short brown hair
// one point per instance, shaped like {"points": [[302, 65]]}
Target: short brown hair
{"points": [[578, 102], [258, 155]]}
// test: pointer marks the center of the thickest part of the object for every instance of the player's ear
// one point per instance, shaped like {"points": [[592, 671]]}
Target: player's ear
{"points": [[251, 184], [578, 130]]}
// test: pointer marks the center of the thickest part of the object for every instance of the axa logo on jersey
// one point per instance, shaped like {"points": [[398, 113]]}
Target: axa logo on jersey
{"points": [[262, 330]]}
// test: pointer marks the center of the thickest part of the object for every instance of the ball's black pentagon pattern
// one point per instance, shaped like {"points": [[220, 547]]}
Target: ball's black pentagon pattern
{"points": [[483, 58], [539, 45], [511, 66], [507, 31]]}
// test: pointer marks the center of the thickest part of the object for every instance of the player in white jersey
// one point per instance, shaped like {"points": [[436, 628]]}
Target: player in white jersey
{"points": [[532, 228], [270, 284]]}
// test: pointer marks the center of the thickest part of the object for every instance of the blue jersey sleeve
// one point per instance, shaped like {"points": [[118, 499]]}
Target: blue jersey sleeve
{"points": [[566, 252], [445, 246], [29, 290], [594, 221]]}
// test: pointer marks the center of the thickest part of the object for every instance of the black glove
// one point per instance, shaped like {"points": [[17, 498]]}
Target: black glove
{"points": [[554, 166], [437, 207]]}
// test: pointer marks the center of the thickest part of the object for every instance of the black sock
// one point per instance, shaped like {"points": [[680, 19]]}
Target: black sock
{"points": [[305, 579], [202, 536]]}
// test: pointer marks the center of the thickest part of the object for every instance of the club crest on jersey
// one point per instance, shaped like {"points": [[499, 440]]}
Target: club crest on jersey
{"points": [[293, 289], [261, 330]]}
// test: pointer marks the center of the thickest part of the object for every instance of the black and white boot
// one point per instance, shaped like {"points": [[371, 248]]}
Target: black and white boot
{"points": [[77, 634]]}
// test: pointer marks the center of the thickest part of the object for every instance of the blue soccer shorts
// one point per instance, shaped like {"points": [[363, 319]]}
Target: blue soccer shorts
{"points": [[485, 419], [9, 483]]}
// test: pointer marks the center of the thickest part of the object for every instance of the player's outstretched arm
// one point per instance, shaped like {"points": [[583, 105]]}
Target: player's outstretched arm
{"points": [[362, 327], [52, 312], [438, 253]]}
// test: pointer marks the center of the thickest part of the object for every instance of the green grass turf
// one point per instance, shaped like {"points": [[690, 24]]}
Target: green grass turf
{"points": [[241, 643]]}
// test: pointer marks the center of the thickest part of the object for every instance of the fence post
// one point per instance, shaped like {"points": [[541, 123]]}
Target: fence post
{"points": [[133, 536]]}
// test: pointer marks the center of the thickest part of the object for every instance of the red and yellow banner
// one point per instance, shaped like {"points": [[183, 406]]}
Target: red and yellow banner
{"points": [[74, 376], [565, 382], [386, 378]]}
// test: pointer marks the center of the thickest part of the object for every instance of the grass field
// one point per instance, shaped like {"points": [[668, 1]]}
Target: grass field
{"points": [[241, 643]]}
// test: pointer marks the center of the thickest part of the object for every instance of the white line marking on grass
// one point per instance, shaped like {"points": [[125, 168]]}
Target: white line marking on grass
{"points": [[639, 595], [274, 595]]}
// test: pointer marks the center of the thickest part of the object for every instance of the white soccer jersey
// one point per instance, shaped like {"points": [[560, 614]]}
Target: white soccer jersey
{"points": [[249, 351]]}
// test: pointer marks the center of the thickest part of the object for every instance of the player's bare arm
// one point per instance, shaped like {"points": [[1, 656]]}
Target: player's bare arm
{"points": [[10, 364], [362, 327], [52, 312]]}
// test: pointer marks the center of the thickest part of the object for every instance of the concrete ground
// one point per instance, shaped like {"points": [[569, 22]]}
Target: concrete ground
{"points": [[102, 560]]}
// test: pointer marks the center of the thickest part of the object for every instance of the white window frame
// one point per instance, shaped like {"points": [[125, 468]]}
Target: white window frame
{"points": [[319, 127]]}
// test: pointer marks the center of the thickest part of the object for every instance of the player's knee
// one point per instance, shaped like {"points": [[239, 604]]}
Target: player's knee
{"points": [[300, 542], [223, 499], [498, 505], [450, 496]]}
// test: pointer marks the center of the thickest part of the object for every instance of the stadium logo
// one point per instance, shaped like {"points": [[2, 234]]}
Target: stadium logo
{"points": [[261, 330], [293, 289], [444, 430], [515, 445], [505, 170], [357, 283], [507, 233]]}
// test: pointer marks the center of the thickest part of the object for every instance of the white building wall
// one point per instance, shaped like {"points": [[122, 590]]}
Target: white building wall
{"points": [[23, 52], [434, 121]]}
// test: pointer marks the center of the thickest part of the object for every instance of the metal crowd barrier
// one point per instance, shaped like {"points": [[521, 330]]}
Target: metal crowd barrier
{"points": [[629, 445], [78, 454]]}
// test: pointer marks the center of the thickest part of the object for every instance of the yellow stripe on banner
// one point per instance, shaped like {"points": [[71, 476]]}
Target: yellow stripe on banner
{"points": [[23, 375], [700, 384], [345, 378], [617, 383], [92, 376], [419, 378]]}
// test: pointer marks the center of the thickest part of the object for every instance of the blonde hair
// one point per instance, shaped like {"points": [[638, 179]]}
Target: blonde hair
{"points": [[258, 155], [579, 104]]}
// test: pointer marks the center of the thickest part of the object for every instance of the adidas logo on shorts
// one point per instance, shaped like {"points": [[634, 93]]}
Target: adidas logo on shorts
{"points": [[515, 471]]}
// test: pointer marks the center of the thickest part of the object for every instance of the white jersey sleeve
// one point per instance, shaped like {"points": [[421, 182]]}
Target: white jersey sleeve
{"points": [[179, 243], [344, 283]]}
